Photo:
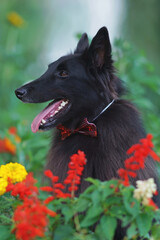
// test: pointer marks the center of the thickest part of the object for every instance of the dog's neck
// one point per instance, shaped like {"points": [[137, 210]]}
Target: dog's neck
{"points": [[104, 110], [75, 123]]}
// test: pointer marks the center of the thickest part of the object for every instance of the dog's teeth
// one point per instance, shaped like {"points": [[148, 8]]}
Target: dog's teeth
{"points": [[51, 116], [63, 104], [43, 121]]}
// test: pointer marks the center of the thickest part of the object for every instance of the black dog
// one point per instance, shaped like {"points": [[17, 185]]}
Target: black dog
{"points": [[87, 110]]}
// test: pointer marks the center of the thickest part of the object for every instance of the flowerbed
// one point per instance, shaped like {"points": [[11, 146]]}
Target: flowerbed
{"points": [[29, 211]]}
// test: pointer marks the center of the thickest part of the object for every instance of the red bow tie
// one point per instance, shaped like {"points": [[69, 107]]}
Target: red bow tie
{"points": [[85, 128]]}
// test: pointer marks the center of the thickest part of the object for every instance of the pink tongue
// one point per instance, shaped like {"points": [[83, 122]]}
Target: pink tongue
{"points": [[49, 110]]}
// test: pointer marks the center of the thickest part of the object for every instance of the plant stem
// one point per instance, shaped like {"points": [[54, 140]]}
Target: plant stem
{"points": [[76, 221]]}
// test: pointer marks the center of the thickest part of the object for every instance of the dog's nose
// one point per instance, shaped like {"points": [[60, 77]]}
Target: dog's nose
{"points": [[20, 92]]}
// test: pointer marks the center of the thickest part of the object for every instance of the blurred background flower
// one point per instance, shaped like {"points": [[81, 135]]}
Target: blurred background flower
{"points": [[15, 19], [35, 33]]}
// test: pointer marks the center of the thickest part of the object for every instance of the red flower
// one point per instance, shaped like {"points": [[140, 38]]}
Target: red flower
{"points": [[151, 203], [12, 130], [23, 189], [56, 188], [50, 175], [30, 219], [124, 174], [49, 199], [76, 166], [137, 161]]}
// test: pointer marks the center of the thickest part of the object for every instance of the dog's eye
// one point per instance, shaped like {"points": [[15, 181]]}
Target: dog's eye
{"points": [[63, 73]]}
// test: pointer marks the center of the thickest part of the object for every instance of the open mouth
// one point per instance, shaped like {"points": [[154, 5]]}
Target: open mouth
{"points": [[49, 116]]}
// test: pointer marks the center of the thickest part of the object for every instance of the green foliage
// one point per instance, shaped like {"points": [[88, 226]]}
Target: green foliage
{"points": [[31, 151], [6, 209], [142, 83], [105, 212], [94, 217], [5, 233], [19, 57]]}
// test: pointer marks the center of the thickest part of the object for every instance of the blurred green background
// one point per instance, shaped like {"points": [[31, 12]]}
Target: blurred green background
{"points": [[35, 33]]}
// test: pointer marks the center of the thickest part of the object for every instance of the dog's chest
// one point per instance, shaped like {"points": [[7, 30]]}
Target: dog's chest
{"points": [[102, 160]]}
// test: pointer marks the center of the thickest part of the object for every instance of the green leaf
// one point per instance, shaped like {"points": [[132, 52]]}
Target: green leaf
{"points": [[89, 190], [118, 211], [111, 200], [107, 227], [96, 197], [144, 222], [155, 231], [4, 232], [106, 189], [5, 219], [126, 219], [132, 230], [68, 212], [64, 232], [92, 216], [82, 236], [132, 205], [157, 215], [93, 181], [82, 205]]}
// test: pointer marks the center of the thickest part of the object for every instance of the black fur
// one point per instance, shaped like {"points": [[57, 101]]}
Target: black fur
{"points": [[90, 84]]}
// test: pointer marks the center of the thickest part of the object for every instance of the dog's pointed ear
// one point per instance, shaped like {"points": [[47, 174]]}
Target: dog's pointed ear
{"points": [[100, 48], [83, 44]]}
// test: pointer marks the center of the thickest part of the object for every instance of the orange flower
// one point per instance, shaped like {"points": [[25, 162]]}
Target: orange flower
{"points": [[10, 147], [6, 146]]}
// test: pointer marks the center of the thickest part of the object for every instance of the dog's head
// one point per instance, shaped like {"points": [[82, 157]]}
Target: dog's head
{"points": [[79, 85]]}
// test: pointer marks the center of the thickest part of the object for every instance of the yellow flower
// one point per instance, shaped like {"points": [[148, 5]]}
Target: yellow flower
{"points": [[14, 171], [3, 185], [15, 19]]}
